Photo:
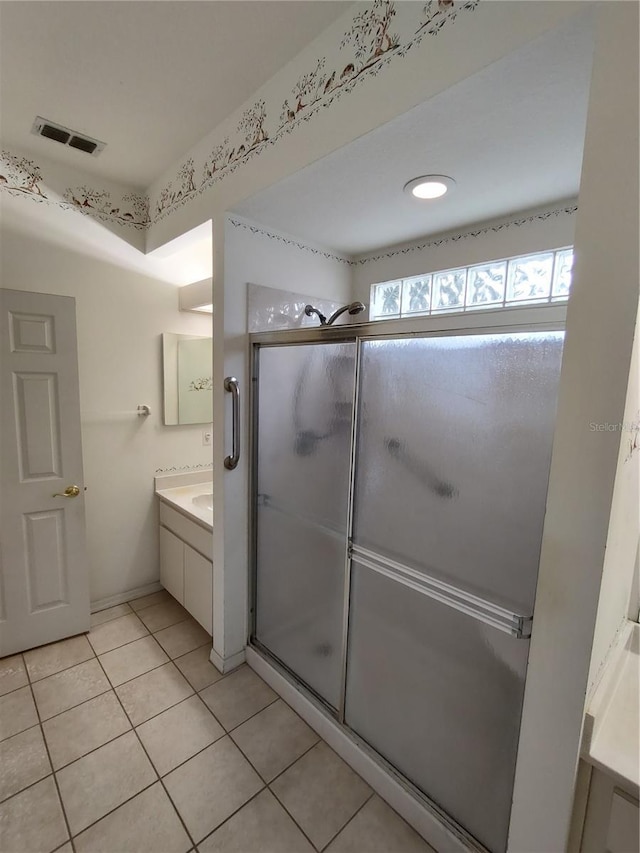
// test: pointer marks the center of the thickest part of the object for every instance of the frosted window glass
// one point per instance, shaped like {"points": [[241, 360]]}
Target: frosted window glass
{"points": [[386, 300], [530, 277], [416, 295], [485, 284]]}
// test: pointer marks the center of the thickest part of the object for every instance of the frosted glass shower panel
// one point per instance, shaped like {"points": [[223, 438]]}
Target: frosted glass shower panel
{"points": [[439, 695], [454, 449], [305, 412]]}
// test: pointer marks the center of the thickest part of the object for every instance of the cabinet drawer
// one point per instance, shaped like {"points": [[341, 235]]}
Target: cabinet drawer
{"points": [[195, 535], [172, 564], [198, 588], [623, 835]]}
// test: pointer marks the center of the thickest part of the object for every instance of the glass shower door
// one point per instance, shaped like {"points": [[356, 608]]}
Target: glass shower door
{"points": [[305, 410], [452, 464]]}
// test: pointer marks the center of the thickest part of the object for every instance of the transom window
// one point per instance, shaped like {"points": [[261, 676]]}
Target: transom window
{"points": [[524, 280]]}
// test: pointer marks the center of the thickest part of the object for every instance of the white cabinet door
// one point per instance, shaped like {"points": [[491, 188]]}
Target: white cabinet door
{"points": [[172, 564], [198, 588], [44, 578]]}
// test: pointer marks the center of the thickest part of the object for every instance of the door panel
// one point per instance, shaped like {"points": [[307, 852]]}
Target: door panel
{"points": [[439, 695], [458, 430], [38, 436], [43, 566], [198, 587], [45, 551], [172, 564], [304, 437]]}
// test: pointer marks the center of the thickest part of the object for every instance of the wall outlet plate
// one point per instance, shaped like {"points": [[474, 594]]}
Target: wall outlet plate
{"points": [[206, 437]]}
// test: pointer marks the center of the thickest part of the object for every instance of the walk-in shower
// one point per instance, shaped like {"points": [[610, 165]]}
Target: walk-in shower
{"points": [[399, 487]]}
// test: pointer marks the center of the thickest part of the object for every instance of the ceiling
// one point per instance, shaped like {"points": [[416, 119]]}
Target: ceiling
{"points": [[148, 78], [511, 136]]}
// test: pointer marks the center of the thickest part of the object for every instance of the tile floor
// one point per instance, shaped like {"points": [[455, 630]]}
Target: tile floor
{"points": [[127, 740]]}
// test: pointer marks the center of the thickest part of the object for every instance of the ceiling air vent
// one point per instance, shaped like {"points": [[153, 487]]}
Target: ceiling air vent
{"points": [[71, 138]]}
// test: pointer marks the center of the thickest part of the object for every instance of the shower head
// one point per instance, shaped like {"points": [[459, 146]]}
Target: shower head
{"points": [[352, 308], [309, 310]]}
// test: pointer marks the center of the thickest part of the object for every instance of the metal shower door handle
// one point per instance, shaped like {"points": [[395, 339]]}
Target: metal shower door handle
{"points": [[231, 385]]}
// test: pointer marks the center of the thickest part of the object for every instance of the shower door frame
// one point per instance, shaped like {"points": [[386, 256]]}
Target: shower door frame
{"points": [[539, 318]]}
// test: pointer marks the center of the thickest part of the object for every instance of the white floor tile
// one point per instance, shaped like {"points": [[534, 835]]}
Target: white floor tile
{"points": [[211, 786], [47, 660], [146, 824], [94, 785], [134, 659], [179, 733], [32, 821], [69, 688], [84, 728]]}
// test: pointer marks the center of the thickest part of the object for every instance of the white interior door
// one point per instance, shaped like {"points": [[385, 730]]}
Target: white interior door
{"points": [[44, 588]]}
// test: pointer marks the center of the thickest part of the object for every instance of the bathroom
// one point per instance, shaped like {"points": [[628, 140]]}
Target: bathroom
{"points": [[258, 223]]}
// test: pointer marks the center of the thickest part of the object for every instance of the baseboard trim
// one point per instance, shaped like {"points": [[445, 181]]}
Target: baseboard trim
{"points": [[122, 597], [417, 815], [225, 665]]}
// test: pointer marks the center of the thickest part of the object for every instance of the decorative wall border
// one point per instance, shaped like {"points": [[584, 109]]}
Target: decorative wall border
{"points": [[286, 241], [370, 44], [22, 177], [542, 216], [184, 468], [568, 210]]}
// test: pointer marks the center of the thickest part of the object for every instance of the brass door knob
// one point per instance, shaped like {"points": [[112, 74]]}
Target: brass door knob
{"points": [[69, 492]]}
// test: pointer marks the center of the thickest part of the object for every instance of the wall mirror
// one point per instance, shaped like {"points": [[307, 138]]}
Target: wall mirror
{"points": [[188, 382]]}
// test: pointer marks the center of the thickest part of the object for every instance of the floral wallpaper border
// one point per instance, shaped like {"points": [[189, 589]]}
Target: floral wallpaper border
{"points": [[542, 216], [22, 177], [296, 244], [568, 210], [185, 468], [369, 45]]}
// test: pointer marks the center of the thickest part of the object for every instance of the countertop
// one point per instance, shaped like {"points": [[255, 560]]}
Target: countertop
{"points": [[612, 742], [180, 497]]}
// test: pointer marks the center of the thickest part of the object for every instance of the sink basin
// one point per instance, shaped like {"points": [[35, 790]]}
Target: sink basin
{"points": [[203, 501]]}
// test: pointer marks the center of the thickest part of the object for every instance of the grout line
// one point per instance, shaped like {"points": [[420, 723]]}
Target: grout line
{"points": [[158, 777], [64, 668], [228, 731], [295, 761], [53, 773], [146, 671], [84, 702], [357, 811], [111, 811], [234, 813], [286, 810], [153, 604], [111, 619]]}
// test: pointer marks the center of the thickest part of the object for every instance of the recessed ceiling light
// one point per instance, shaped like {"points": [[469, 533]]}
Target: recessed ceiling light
{"points": [[429, 186]]}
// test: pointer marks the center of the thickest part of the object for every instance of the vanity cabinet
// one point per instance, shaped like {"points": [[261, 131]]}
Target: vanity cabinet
{"points": [[184, 570]]}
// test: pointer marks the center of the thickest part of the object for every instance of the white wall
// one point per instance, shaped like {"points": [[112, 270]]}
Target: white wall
{"points": [[621, 551], [526, 231], [581, 511], [120, 317], [243, 257]]}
